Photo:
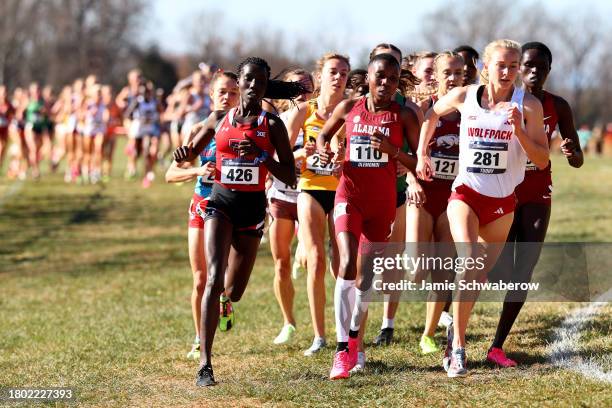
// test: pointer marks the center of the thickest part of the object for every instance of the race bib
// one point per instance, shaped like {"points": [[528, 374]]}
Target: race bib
{"points": [[487, 157], [362, 154], [446, 167], [313, 163], [3, 121], [209, 179], [530, 166], [237, 171], [284, 188]]}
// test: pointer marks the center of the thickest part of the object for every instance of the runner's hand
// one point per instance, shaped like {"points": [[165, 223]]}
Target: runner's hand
{"points": [[183, 153], [379, 142], [325, 155], [568, 148], [515, 118], [247, 147], [416, 194], [310, 148], [424, 169], [207, 170], [401, 170]]}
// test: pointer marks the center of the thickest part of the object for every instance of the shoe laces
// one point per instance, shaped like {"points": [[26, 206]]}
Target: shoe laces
{"points": [[459, 357], [340, 360], [205, 370]]}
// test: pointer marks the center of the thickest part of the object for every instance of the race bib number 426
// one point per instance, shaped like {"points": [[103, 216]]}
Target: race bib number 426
{"points": [[237, 171], [487, 157], [362, 154]]}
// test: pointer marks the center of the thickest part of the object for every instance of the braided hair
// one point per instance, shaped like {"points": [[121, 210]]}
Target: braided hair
{"points": [[276, 89]]}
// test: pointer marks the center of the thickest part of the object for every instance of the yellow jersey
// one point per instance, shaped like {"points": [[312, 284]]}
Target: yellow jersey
{"points": [[314, 176]]}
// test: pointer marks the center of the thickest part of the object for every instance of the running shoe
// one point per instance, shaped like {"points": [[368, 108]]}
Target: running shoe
{"points": [[297, 270], [458, 363], [340, 366], [285, 335], [353, 345], [449, 347], [428, 345], [226, 314], [385, 337], [360, 366], [445, 319], [498, 357], [194, 354], [146, 182], [205, 376], [318, 344]]}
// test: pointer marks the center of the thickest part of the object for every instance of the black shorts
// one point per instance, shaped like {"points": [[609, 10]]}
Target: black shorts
{"points": [[245, 210], [401, 199], [324, 197]]}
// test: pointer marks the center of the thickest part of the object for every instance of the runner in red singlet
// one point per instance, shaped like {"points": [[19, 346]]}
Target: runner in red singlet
{"points": [[532, 211], [247, 139], [364, 208]]}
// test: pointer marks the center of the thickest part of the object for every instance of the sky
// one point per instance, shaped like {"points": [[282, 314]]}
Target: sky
{"points": [[170, 23]]}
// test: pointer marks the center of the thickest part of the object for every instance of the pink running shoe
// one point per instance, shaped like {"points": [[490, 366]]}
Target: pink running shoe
{"points": [[498, 357], [146, 182], [353, 348], [340, 367]]}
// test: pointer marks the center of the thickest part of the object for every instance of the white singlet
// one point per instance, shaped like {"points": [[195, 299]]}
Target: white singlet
{"points": [[491, 159]]}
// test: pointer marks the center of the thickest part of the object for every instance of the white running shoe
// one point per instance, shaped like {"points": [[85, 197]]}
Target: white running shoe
{"points": [[318, 344], [445, 319], [361, 361], [285, 335]]}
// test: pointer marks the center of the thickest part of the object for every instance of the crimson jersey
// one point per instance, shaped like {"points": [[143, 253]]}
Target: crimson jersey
{"points": [[444, 150], [241, 173], [537, 185], [368, 172]]}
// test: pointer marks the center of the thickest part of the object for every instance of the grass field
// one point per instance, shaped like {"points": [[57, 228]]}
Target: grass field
{"points": [[94, 294]]}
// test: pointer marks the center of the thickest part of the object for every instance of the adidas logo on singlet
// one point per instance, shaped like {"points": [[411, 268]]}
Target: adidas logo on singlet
{"points": [[499, 211]]}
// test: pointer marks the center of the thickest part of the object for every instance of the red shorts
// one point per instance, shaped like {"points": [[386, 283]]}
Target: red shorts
{"points": [[196, 211], [487, 209], [436, 195], [282, 209], [536, 188], [368, 219]]}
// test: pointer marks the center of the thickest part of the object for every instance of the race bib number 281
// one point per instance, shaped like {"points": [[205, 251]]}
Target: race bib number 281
{"points": [[487, 157]]}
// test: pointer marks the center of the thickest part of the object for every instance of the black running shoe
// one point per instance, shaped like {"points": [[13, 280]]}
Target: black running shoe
{"points": [[205, 376], [384, 338]]}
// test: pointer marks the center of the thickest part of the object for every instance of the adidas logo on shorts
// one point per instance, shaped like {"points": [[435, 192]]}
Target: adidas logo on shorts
{"points": [[499, 211]]}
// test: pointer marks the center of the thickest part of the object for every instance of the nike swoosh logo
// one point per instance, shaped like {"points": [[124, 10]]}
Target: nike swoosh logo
{"points": [[547, 117]]}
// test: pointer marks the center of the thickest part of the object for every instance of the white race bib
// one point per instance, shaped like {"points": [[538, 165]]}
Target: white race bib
{"points": [[487, 157], [530, 166], [237, 171], [313, 163], [362, 154], [284, 188], [446, 167]]}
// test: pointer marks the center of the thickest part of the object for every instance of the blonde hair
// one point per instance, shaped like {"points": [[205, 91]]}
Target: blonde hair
{"points": [[330, 56], [488, 51]]}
